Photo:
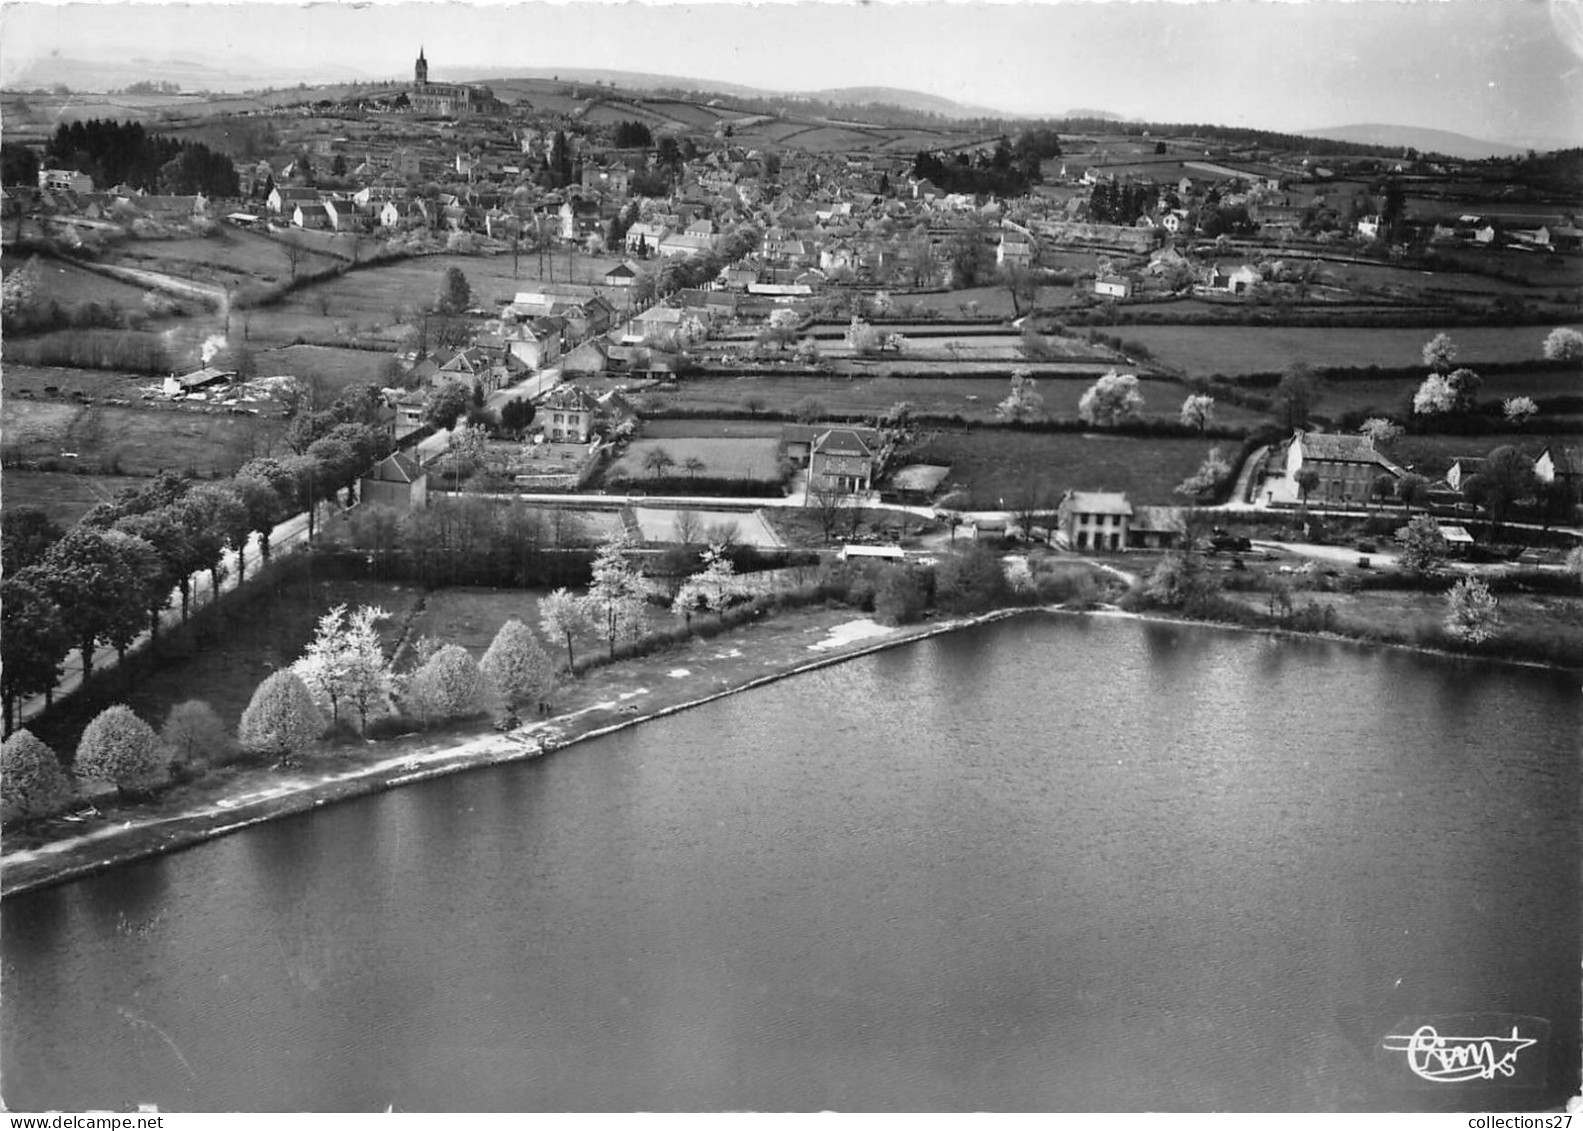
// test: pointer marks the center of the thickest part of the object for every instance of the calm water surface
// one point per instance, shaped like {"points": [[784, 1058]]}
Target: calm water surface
{"points": [[1043, 864]]}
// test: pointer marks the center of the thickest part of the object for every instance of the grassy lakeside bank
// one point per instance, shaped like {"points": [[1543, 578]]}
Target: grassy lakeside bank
{"points": [[601, 700]]}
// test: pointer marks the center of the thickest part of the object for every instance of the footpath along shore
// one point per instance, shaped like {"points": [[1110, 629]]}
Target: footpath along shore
{"points": [[602, 700]]}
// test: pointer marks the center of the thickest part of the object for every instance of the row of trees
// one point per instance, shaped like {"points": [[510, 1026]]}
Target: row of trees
{"points": [[112, 575]]}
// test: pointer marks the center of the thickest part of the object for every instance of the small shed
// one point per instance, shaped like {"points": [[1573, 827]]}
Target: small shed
{"points": [[884, 553], [1458, 540]]}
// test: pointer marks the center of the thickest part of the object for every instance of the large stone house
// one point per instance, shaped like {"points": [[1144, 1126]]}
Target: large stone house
{"points": [[1347, 467], [840, 460], [567, 414]]}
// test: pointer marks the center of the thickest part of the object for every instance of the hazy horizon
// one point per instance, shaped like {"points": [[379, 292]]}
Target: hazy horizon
{"points": [[1499, 70]]}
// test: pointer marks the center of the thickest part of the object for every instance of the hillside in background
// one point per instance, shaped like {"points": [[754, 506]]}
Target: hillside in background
{"points": [[1423, 140]]}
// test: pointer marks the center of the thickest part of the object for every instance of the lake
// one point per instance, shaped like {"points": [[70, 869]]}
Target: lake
{"points": [[1045, 864]]}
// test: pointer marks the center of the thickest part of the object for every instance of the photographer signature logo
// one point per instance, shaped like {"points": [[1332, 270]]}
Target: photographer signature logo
{"points": [[1451, 1059]]}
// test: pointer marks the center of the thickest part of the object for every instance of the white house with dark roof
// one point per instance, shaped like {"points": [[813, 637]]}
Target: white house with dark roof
{"points": [[1563, 464], [1094, 520]]}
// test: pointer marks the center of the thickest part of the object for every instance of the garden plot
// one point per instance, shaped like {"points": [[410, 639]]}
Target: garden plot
{"points": [[744, 458], [658, 524]]}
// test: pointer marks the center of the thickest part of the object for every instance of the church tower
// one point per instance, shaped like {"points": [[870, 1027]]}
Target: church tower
{"points": [[420, 70]]}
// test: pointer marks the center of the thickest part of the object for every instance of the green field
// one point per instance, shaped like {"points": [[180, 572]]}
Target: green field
{"points": [[69, 285], [134, 441], [997, 467], [1394, 397], [61, 495], [1233, 350], [972, 398], [1433, 455], [384, 301]]}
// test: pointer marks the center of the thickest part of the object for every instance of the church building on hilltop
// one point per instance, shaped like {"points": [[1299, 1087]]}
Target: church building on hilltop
{"points": [[448, 100]]}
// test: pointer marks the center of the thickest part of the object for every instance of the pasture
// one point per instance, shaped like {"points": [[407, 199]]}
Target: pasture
{"points": [[1236, 350], [972, 398], [68, 284], [997, 468], [1434, 455], [384, 301], [134, 441], [232, 257], [63, 496], [1394, 397], [723, 458]]}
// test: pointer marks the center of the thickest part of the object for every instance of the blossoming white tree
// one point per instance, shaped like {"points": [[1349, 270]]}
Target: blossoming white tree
{"points": [[1111, 400], [345, 662]]}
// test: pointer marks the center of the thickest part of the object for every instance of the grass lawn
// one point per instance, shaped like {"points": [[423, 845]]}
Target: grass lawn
{"points": [[1232, 350], [997, 464], [471, 617], [715, 429], [736, 458]]}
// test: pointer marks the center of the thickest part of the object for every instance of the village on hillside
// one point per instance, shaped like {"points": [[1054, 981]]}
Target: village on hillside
{"points": [[513, 335]]}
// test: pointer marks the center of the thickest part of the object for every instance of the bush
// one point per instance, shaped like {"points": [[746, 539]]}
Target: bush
{"points": [[282, 719], [32, 781], [969, 581], [448, 686], [121, 748], [900, 595]]}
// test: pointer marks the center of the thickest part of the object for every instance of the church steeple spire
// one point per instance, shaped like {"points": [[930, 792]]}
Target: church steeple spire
{"points": [[420, 70]]}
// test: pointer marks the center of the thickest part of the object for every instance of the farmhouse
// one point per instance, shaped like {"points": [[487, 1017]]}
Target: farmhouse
{"points": [[1156, 528], [1113, 286], [1563, 465], [1347, 466], [1094, 520]]}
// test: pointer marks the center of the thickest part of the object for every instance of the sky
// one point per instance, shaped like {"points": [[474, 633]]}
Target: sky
{"points": [[1494, 69]]}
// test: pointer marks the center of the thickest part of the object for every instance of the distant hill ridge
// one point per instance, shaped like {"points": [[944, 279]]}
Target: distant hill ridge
{"points": [[1418, 137]]}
